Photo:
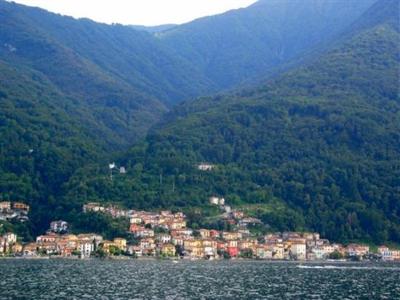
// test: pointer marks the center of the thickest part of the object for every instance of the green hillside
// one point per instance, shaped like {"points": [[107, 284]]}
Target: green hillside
{"points": [[319, 146], [246, 44]]}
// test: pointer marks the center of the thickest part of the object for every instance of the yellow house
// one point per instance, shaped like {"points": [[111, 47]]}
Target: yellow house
{"points": [[168, 250], [188, 244], [120, 243], [278, 251], [16, 248], [107, 245], [177, 224]]}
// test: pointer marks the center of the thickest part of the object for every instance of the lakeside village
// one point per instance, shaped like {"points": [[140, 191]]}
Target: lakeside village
{"points": [[165, 235]]}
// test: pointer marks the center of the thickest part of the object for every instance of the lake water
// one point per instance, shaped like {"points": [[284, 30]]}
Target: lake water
{"points": [[135, 279]]}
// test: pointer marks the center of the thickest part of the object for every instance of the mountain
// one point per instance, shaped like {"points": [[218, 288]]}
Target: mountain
{"points": [[126, 79], [154, 29], [244, 44], [317, 148]]}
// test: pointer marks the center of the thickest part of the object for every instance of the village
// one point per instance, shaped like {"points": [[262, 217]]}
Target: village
{"points": [[165, 234]]}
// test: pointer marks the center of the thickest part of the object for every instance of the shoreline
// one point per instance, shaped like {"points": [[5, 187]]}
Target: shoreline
{"points": [[188, 260]]}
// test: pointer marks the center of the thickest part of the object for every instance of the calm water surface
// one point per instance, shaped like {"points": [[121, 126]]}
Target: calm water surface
{"points": [[95, 279]]}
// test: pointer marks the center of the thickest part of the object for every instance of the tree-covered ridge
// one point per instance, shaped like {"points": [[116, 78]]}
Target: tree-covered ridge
{"points": [[246, 44], [122, 111], [321, 144], [41, 144]]}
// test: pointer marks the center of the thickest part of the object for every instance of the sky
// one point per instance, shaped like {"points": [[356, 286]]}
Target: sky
{"points": [[138, 12]]}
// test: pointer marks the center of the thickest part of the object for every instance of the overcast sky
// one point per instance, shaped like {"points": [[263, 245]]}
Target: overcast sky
{"points": [[138, 12]]}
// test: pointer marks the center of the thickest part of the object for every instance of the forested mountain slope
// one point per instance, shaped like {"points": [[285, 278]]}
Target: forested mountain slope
{"points": [[244, 44], [320, 144]]}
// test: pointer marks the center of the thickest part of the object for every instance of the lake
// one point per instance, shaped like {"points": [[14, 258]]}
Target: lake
{"points": [[141, 279]]}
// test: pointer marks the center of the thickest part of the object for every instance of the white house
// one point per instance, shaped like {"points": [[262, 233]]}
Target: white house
{"points": [[86, 248], [59, 226], [163, 238], [10, 238], [217, 201], [298, 251], [205, 167]]}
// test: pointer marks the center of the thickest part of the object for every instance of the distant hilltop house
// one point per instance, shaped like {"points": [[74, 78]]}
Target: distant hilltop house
{"points": [[93, 206], [205, 167], [217, 201], [112, 210], [14, 210], [5, 205], [59, 226]]}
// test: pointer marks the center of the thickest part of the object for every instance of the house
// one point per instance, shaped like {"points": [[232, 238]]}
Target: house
{"points": [[163, 238], [21, 207], [48, 248], [107, 246], [385, 253], [10, 238], [204, 233], [232, 243], [298, 251], [263, 252], [214, 233], [193, 243], [5, 206], [244, 232], [195, 252], [182, 232], [47, 238], [140, 231], [91, 237], [227, 209], [209, 243], [177, 240], [179, 215], [249, 221], [217, 201], [59, 226], [148, 246], [357, 250], [66, 245], [116, 212], [236, 214], [86, 248], [221, 246], [93, 206], [30, 249], [278, 251], [396, 255], [249, 244], [205, 167], [168, 250], [177, 224], [135, 250], [273, 239], [322, 252], [291, 235], [3, 246], [232, 251], [120, 243], [210, 250], [226, 235], [136, 219], [16, 248]]}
